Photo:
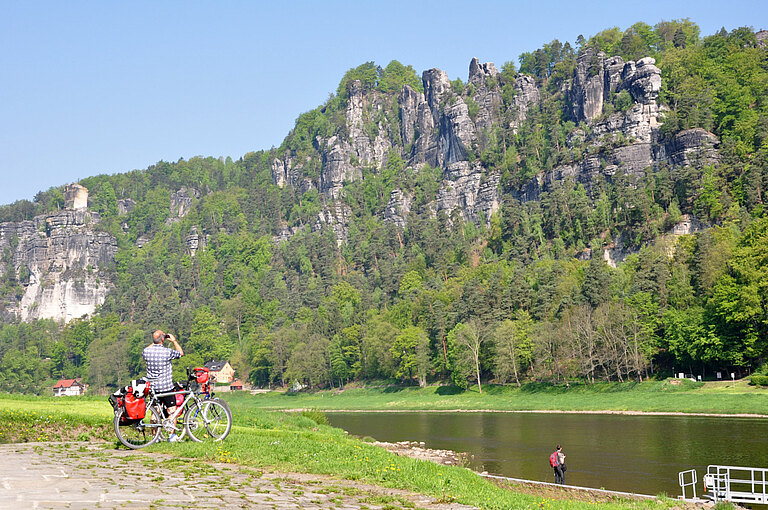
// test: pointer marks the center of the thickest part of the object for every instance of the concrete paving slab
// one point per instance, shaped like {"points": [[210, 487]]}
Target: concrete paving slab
{"points": [[72, 476]]}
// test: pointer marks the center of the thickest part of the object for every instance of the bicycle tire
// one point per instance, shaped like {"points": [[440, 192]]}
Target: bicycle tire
{"points": [[210, 421], [138, 433]]}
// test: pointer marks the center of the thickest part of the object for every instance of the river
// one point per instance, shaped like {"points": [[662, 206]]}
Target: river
{"points": [[641, 454]]}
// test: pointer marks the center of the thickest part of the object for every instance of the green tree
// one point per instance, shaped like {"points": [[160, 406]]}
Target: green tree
{"points": [[514, 346], [465, 342], [411, 353]]}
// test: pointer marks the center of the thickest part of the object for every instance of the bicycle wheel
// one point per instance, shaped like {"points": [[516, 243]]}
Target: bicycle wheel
{"points": [[210, 421], [139, 433]]}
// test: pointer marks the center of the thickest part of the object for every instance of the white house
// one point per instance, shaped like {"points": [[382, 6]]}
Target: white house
{"points": [[67, 387]]}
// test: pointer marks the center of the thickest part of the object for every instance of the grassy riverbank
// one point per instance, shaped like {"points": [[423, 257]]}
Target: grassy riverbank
{"points": [[669, 396], [289, 442]]}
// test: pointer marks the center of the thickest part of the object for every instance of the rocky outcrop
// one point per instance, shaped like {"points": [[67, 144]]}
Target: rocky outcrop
{"points": [[61, 262], [526, 96], [398, 208], [626, 141], [614, 102], [409, 101], [762, 38], [125, 206], [469, 191], [181, 202], [487, 94], [336, 217], [285, 172], [596, 77], [691, 147], [687, 225], [195, 241], [76, 196]]}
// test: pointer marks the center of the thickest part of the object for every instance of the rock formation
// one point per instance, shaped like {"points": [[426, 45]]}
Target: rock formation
{"points": [[613, 102], [181, 202], [76, 196], [61, 262]]}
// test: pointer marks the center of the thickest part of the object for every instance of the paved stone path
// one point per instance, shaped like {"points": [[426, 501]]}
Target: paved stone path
{"points": [[95, 475]]}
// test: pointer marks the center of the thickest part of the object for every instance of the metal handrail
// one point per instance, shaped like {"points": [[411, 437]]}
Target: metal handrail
{"points": [[737, 484], [683, 484]]}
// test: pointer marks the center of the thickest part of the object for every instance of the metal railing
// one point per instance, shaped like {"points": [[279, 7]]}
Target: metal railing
{"points": [[688, 479], [737, 484]]}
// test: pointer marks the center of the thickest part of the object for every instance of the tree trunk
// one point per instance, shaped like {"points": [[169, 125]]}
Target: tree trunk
{"points": [[477, 370]]}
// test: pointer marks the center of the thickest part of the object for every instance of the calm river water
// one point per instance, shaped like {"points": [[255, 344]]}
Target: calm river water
{"points": [[641, 454]]}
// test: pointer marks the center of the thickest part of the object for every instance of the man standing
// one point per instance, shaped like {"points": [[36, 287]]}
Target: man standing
{"points": [[557, 461], [159, 368]]}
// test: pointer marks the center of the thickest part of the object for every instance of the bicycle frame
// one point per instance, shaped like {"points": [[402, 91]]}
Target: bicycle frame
{"points": [[191, 395]]}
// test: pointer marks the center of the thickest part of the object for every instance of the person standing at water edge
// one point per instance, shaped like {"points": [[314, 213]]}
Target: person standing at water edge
{"points": [[557, 461]]}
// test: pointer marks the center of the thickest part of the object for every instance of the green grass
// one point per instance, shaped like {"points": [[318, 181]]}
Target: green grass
{"points": [[292, 442], [653, 396]]}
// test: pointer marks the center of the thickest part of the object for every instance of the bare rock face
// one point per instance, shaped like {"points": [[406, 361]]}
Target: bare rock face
{"points": [[398, 208], [76, 196], [642, 79], [344, 157], [181, 201], [61, 262], [596, 77], [425, 148], [409, 101], [285, 172], [762, 38], [457, 132], [527, 95], [337, 217], [125, 206], [467, 190], [487, 94], [628, 141], [337, 167], [692, 147], [195, 241], [284, 233], [588, 85], [687, 225]]}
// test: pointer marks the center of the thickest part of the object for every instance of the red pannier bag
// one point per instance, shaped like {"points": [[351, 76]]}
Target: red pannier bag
{"points": [[202, 377], [201, 374], [135, 408]]}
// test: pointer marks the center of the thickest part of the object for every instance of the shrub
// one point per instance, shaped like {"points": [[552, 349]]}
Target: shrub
{"points": [[759, 380]]}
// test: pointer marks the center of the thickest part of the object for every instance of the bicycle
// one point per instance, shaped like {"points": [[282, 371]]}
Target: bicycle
{"points": [[205, 416]]}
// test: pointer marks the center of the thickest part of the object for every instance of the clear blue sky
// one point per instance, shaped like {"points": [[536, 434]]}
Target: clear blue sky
{"points": [[94, 87]]}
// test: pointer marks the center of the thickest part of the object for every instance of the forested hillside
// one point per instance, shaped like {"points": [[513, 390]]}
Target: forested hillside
{"points": [[597, 214]]}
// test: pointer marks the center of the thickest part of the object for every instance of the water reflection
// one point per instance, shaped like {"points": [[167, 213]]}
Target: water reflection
{"points": [[640, 454]]}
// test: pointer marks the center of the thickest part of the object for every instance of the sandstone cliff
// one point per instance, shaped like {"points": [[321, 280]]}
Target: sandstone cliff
{"points": [[61, 262], [448, 129]]}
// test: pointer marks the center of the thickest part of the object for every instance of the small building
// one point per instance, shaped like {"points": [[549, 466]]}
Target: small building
{"points": [[236, 386], [69, 387], [222, 370]]}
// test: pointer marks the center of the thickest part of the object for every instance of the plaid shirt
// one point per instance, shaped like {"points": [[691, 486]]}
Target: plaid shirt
{"points": [[158, 359]]}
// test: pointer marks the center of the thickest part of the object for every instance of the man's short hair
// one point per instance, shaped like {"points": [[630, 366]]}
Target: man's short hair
{"points": [[158, 336]]}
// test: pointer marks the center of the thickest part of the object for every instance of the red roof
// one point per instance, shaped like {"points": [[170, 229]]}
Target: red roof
{"points": [[66, 383], [235, 383]]}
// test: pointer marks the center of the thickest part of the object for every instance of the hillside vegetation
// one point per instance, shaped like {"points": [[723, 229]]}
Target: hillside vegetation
{"points": [[301, 275]]}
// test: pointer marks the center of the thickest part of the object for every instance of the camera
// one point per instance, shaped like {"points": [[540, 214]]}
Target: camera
{"points": [[167, 337]]}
